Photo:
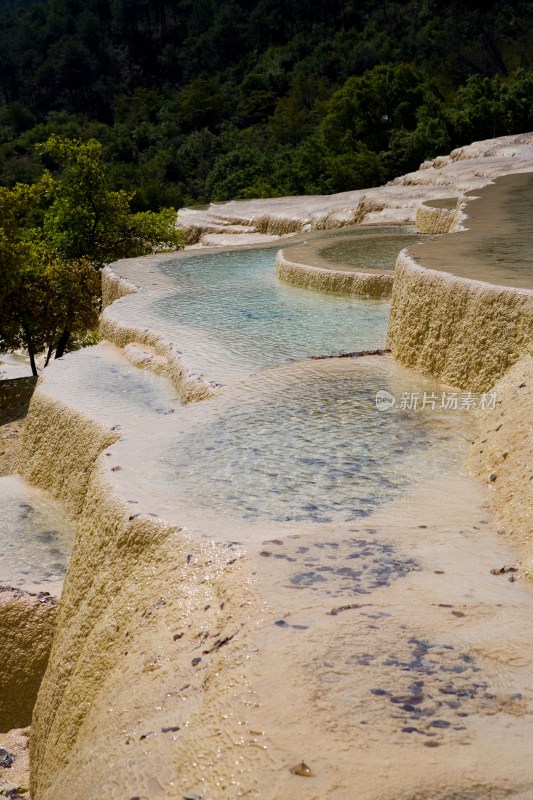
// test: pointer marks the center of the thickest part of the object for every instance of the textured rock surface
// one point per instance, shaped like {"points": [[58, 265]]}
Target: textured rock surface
{"points": [[464, 169], [436, 220], [73, 445], [502, 454], [357, 284], [17, 776], [183, 666], [147, 348], [466, 332], [145, 646], [27, 623]]}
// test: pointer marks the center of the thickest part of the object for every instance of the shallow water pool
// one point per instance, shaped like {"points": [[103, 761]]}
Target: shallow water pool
{"points": [[304, 443], [261, 322], [35, 537], [379, 253]]}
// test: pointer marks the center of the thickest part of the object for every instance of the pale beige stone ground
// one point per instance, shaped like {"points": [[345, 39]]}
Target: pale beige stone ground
{"points": [[16, 742], [502, 455], [208, 666]]}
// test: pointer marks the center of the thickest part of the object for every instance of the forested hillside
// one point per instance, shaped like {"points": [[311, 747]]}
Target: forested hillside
{"points": [[199, 100]]}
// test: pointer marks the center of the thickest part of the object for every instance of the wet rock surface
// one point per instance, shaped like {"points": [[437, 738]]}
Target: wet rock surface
{"points": [[14, 764], [35, 537], [341, 568]]}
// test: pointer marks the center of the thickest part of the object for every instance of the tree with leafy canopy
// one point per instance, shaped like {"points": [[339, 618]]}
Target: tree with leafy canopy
{"points": [[55, 236]]}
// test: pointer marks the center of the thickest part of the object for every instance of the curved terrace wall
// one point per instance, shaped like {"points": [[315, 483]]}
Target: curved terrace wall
{"points": [[60, 455], [477, 336], [144, 630], [27, 624], [469, 333], [502, 454], [137, 597], [146, 348], [432, 219], [357, 284]]}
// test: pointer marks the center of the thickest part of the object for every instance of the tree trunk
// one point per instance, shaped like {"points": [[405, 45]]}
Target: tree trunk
{"points": [[31, 353], [49, 354], [62, 343]]}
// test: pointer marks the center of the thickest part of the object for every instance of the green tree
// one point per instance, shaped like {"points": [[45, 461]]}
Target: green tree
{"points": [[86, 219], [487, 107], [55, 236], [204, 103], [236, 173], [40, 293], [368, 108]]}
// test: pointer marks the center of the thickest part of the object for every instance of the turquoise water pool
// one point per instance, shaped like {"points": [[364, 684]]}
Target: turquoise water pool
{"points": [[379, 253], [261, 322], [304, 443]]}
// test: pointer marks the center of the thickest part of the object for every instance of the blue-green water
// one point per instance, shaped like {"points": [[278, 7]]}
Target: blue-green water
{"points": [[261, 321], [304, 442], [379, 253], [307, 443]]}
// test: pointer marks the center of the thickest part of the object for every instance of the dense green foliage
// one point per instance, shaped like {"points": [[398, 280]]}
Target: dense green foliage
{"points": [[198, 100], [55, 234]]}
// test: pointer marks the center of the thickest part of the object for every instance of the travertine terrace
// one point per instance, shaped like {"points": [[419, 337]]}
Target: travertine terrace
{"points": [[175, 669], [465, 169], [354, 283]]}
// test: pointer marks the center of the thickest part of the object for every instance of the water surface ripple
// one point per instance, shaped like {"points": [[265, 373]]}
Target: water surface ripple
{"points": [[261, 322]]}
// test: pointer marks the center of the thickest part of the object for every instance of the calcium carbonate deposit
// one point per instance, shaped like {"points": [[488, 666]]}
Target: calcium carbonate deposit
{"points": [[284, 580]]}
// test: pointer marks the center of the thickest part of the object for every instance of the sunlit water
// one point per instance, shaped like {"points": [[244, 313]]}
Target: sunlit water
{"points": [[303, 443], [103, 383], [299, 443], [378, 253], [35, 538], [261, 322]]}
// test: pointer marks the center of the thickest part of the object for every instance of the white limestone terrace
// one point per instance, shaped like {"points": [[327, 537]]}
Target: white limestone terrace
{"points": [[465, 169], [189, 661]]}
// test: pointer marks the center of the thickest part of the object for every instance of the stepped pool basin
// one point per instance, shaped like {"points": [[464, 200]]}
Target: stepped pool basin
{"points": [[236, 299], [302, 444], [294, 577], [370, 254], [496, 247]]}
